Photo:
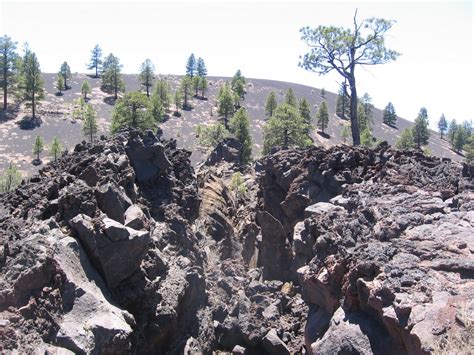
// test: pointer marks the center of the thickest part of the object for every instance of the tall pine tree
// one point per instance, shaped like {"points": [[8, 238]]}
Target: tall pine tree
{"points": [[442, 125], [225, 104], [191, 66], [147, 75], [96, 60], [240, 128], [8, 67], [31, 81], [112, 81], [323, 116], [271, 104], [421, 133], [389, 115], [65, 72]]}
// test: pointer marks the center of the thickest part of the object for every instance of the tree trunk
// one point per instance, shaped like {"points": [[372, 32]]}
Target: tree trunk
{"points": [[5, 86], [285, 138], [33, 103], [115, 85], [96, 65], [65, 82], [354, 121]]}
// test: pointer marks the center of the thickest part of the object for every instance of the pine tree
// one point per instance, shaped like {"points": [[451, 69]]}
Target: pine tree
{"points": [[60, 84], [130, 111], [406, 140], [31, 81], [96, 60], [155, 108], [8, 66], [79, 111], [201, 67], [442, 125], [345, 133], [210, 136], [147, 75], [366, 138], [240, 128], [225, 104], [185, 88], [85, 89], [323, 94], [112, 81], [305, 111], [271, 104], [460, 138], [203, 86], [177, 102], [290, 98], [196, 81], [365, 112], [453, 126], [323, 116], [38, 147], [420, 132], [163, 91], [191, 66], [238, 87], [342, 103], [65, 72], [90, 127], [389, 115], [56, 148], [469, 149], [10, 178], [286, 128]]}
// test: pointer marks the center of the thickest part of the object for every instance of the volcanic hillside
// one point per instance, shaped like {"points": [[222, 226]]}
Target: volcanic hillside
{"points": [[56, 114]]}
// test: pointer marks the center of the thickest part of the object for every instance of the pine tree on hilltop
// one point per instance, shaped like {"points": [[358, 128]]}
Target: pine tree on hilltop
{"points": [[201, 67], [85, 89], [453, 126], [163, 91], [31, 83], [240, 128], [389, 115], [8, 66], [185, 88], [323, 116], [442, 125], [191, 66], [96, 60], [271, 104], [323, 94], [112, 81], [406, 140], [65, 72], [90, 126], [342, 103], [130, 111], [203, 86], [305, 111], [290, 97], [238, 87], [286, 128], [420, 129], [225, 104], [147, 75], [59, 84]]}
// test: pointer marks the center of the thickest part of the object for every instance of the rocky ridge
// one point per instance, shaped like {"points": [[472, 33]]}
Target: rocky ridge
{"points": [[120, 248]]}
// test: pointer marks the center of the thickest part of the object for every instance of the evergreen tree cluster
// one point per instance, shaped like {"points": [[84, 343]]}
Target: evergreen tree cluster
{"points": [[460, 136], [289, 123]]}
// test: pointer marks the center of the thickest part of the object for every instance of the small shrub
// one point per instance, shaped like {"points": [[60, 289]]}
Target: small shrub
{"points": [[237, 185]]}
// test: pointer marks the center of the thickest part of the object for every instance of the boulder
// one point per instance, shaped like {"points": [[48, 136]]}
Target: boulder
{"points": [[113, 201], [135, 218], [117, 251], [273, 344]]}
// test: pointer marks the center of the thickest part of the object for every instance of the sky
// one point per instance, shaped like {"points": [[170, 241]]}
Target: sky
{"points": [[262, 39]]}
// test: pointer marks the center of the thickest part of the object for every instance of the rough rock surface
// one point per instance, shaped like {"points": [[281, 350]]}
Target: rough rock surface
{"points": [[120, 248]]}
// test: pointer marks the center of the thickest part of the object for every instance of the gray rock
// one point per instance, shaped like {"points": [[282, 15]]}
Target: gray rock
{"points": [[135, 218], [112, 201], [273, 344]]}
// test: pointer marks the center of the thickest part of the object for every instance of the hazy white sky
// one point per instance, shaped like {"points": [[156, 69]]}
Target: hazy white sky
{"points": [[262, 39]]}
